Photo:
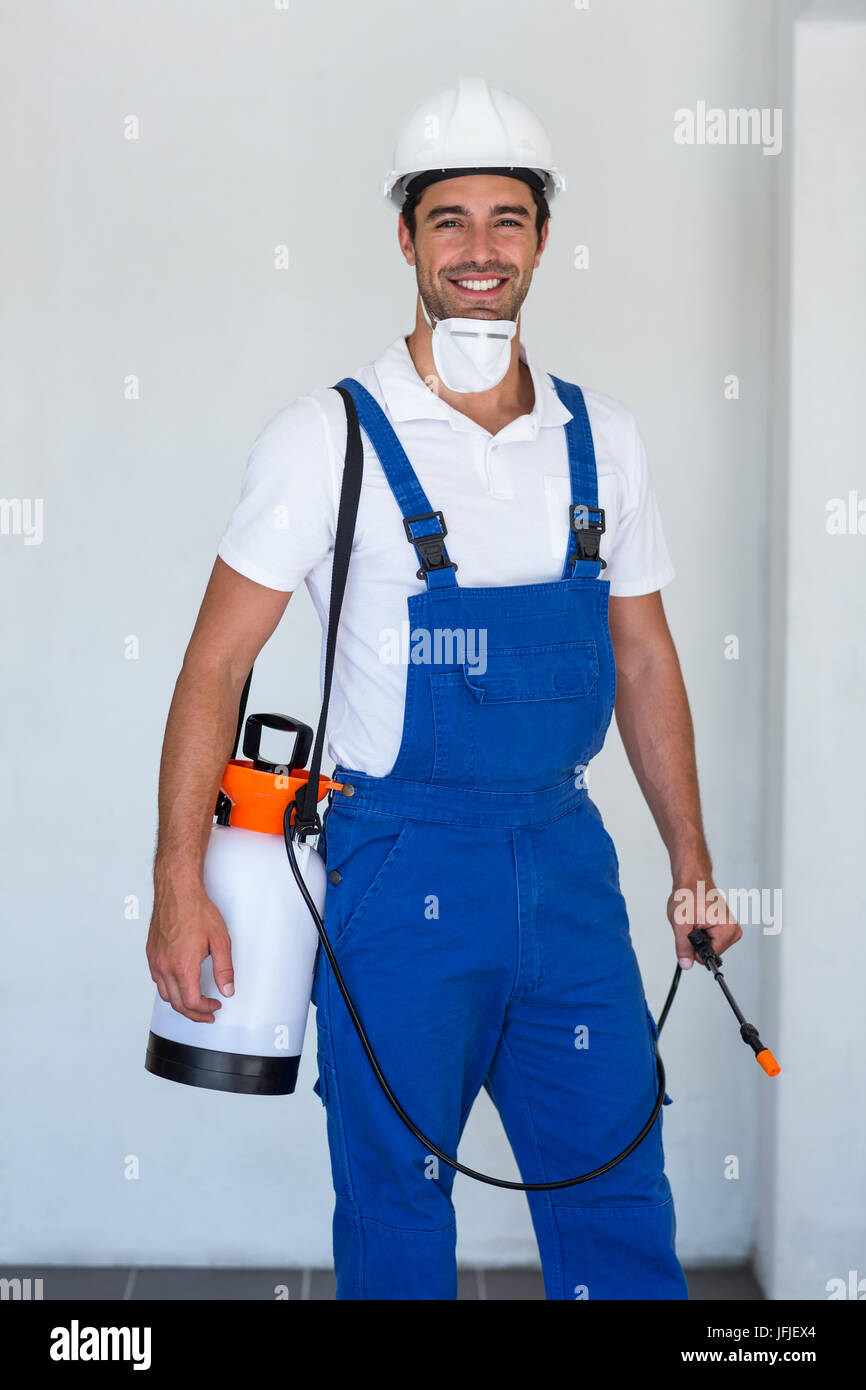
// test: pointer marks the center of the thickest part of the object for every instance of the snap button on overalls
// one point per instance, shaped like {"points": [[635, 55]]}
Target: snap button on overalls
{"points": [[477, 916]]}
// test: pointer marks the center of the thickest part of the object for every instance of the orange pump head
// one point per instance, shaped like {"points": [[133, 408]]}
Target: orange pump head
{"points": [[259, 799]]}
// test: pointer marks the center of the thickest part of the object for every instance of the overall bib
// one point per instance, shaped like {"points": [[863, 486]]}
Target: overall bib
{"points": [[474, 907]]}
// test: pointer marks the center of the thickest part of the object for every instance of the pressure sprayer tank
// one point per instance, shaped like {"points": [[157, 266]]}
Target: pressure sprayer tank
{"points": [[254, 1045]]}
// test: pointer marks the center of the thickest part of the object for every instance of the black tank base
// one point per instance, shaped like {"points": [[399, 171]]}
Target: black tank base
{"points": [[221, 1071]]}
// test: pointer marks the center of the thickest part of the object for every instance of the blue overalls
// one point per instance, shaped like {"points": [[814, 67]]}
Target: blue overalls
{"points": [[475, 909]]}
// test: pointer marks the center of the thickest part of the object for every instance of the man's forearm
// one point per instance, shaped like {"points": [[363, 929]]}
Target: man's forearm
{"points": [[198, 741], [655, 723]]}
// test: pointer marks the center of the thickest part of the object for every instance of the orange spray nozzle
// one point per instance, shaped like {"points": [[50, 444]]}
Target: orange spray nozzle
{"points": [[748, 1032]]}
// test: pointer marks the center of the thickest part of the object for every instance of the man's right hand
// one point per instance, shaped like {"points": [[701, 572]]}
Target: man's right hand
{"points": [[185, 929]]}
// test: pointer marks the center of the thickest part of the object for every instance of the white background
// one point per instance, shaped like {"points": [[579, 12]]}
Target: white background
{"points": [[154, 257]]}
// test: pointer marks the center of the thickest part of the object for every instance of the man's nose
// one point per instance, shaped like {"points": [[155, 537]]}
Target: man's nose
{"points": [[479, 246]]}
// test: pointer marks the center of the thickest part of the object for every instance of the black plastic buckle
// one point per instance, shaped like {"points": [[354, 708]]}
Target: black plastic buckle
{"points": [[587, 523], [303, 828], [304, 825], [432, 547]]}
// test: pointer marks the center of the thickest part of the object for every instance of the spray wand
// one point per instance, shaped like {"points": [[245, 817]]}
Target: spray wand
{"points": [[748, 1032]]}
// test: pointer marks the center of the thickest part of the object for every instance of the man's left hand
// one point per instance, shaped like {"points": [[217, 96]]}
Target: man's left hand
{"points": [[697, 902]]}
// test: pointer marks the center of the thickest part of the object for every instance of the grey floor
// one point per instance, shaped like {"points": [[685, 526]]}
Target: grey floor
{"points": [[119, 1282]]}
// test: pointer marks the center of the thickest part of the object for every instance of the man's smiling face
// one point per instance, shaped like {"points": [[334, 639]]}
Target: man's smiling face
{"points": [[475, 246]]}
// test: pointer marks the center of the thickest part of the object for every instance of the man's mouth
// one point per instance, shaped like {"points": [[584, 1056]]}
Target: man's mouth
{"points": [[476, 287]]}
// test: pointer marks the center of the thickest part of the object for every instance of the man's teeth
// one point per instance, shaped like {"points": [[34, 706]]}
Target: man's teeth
{"points": [[480, 284]]}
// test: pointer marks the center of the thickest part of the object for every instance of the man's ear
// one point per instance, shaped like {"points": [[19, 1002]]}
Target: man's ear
{"points": [[542, 242], [407, 245]]}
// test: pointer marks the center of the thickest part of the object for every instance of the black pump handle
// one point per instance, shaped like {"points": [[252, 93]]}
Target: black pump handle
{"points": [[285, 724]]}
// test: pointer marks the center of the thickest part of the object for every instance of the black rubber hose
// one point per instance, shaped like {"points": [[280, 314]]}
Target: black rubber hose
{"points": [[288, 833]]}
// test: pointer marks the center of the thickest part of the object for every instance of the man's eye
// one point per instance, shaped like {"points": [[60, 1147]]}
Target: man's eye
{"points": [[503, 222]]}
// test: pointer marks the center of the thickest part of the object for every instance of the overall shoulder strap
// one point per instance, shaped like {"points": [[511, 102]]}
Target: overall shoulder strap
{"points": [[424, 527], [586, 518]]}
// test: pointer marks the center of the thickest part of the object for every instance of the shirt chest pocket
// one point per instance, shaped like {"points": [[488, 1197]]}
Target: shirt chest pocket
{"points": [[557, 493]]}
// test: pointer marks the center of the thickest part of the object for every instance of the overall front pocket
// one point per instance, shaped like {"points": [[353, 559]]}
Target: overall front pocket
{"points": [[528, 704]]}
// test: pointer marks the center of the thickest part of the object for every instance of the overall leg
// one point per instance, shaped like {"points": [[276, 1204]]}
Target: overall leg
{"points": [[406, 920], [574, 1075]]}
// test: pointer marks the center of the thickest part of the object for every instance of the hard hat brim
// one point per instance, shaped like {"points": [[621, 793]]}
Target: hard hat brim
{"points": [[399, 186]]}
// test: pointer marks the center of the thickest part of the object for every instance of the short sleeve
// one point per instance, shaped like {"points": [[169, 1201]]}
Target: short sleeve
{"points": [[639, 562], [285, 520]]}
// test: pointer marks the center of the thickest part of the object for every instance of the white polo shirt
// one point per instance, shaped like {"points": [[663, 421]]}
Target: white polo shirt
{"points": [[505, 498]]}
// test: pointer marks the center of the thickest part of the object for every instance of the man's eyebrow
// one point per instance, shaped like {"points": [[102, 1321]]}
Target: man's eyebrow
{"points": [[498, 210]]}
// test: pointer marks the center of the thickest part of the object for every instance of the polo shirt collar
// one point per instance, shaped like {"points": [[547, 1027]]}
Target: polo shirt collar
{"points": [[407, 397]]}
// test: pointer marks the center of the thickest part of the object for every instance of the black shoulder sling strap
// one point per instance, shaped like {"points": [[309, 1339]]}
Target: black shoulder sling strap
{"points": [[307, 819]]}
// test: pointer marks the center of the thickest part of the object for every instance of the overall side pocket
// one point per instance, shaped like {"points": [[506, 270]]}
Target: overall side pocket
{"points": [[654, 1037], [375, 849]]}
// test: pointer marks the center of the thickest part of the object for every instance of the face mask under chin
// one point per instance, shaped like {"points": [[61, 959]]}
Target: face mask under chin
{"points": [[472, 354], [469, 354]]}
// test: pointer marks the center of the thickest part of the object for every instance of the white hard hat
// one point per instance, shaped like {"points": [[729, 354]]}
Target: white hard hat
{"points": [[472, 127]]}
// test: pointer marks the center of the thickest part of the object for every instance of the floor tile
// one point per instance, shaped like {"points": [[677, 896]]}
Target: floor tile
{"points": [[64, 1282], [467, 1285], [226, 1284], [525, 1285], [736, 1283], [323, 1284]]}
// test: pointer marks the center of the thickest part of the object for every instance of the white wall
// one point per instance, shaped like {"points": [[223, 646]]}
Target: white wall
{"points": [[154, 257], [811, 1232]]}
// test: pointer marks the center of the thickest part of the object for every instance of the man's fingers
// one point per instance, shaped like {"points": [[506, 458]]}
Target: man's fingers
{"points": [[684, 948], [724, 936], [197, 1003], [189, 979], [710, 913], [221, 955], [185, 996]]}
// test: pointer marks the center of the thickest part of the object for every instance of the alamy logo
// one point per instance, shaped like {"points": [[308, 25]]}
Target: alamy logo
{"points": [[436, 646], [737, 126], [846, 518], [760, 907], [20, 1289], [77, 1343], [22, 516], [853, 1287]]}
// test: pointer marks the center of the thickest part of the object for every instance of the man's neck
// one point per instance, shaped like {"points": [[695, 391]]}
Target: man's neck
{"points": [[513, 396]]}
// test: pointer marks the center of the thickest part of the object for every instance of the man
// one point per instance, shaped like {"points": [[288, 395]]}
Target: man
{"points": [[473, 892]]}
